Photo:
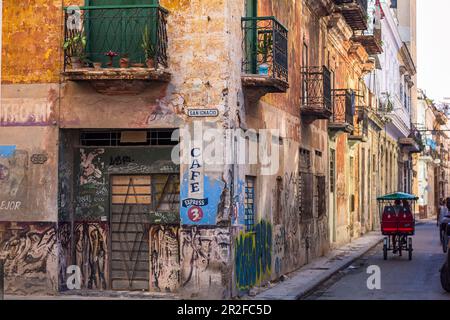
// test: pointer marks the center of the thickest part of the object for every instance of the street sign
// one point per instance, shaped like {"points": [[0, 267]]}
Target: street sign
{"points": [[198, 113]]}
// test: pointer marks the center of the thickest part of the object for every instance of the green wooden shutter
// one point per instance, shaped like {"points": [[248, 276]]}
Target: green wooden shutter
{"points": [[251, 11], [119, 30]]}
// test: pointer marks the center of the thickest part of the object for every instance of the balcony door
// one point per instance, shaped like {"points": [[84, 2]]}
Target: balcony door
{"points": [[119, 29]]}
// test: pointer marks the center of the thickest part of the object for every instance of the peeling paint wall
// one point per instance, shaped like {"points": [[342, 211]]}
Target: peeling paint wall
{"points": [[31, 41], [29, 252], [295, 240], [30, 66], [203, 75], [209, 260], [347, 60]]}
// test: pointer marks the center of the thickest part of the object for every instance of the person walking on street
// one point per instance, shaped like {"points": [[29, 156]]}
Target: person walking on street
{"points": [[442, 221]]}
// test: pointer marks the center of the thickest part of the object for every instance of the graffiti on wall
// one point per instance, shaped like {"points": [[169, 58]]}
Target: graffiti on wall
{"points": [[39, 158], [27, 114], [94, 166], [64, 191], [92, 189], [290, 218], [279, 243], [90, 253], [205, 254], [64, 252], [238, 214], [253, 256], [29, 254], [29, 111], [13, 173], [164, 258]]}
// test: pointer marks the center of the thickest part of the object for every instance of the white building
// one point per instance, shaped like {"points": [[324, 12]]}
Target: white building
{"points": [[393, 83]]}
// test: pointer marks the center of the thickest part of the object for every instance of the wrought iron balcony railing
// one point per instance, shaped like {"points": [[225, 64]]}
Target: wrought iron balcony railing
{"points": [[362, 3], [370, 39], [136, 33], [417, 136], [354, 12], [316, 100], [265, 45], [361, 130], [343, 107]]}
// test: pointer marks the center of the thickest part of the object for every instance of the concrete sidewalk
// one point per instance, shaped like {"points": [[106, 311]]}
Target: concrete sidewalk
{"points": [[98, 295], [304, 280]]}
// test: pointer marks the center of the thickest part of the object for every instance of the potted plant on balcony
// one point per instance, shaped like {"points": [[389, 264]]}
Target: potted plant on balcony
{"points": [[97, 65], [149, 49], [75, 47], [265, 46], [124, 61], [111, 54]]}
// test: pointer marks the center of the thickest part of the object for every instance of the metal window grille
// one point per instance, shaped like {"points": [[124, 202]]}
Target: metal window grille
{"points": [[112, 138], [316, 92], [320, 195], [249, 219], [332, 170], [305, 159], [344, 106], [306, 195]]}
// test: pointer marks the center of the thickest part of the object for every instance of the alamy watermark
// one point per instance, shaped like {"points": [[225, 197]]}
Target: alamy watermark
{"points": [[214, 147], [374, 280]]}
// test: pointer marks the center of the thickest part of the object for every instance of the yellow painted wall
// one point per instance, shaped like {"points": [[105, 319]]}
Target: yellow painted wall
{"points": [[32, 39]]}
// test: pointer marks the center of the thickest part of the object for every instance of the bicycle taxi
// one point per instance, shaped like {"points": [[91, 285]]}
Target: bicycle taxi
{"points": [[397, 222]]}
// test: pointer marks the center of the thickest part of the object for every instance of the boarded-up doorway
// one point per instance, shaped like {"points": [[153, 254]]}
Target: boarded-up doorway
{"points": [[131, 199]]}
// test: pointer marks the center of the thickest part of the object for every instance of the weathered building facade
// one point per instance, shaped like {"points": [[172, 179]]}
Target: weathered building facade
{"points": [[393, 82], [192, 147], [432, 163], [96, 185]]}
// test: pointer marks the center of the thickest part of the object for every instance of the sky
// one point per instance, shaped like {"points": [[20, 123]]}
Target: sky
{"points": [[433, 48]]}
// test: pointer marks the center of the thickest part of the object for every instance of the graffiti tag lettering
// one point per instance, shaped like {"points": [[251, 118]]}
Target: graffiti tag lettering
{"points": [[10, 205]]}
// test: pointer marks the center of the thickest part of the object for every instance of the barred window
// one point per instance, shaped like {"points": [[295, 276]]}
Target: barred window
{"points": [[332, 170], [115, 138], [320, 195], [305, 159], [306, 195], [249, 219]]}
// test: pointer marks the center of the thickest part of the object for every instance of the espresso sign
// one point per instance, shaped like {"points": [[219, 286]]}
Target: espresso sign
{"points": [[198, 113]]}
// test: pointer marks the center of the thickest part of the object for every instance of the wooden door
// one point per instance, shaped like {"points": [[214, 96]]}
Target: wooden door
{"points": [[131, 201]]}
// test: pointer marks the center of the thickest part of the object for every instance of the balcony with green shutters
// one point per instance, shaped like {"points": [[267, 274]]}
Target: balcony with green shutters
{"points": [[118, 48]]}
